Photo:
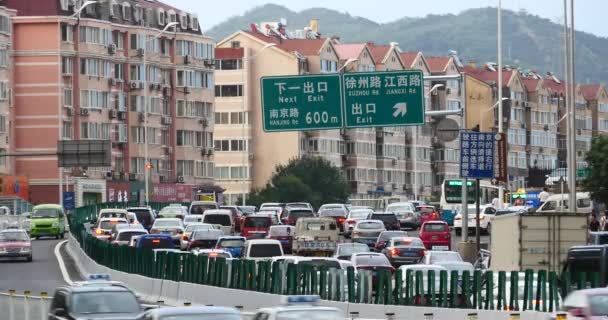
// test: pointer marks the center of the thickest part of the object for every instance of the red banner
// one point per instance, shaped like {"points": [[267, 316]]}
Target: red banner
{"points": [[171, 192], [502, 174]]}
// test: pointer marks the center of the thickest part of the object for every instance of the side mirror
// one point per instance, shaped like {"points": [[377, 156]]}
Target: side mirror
{"points": [[60, 312]]}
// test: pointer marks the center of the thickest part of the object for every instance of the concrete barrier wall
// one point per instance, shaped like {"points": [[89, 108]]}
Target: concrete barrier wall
{"points": [[176, 293]]}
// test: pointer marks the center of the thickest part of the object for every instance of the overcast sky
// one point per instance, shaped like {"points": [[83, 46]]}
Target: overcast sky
{"points": [[590, 15]]}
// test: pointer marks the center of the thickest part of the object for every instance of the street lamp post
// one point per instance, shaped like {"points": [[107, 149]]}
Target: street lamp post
{"points": [[148, 166], [246, 146], [501, 130], [488, 110], [346, 64], [84, 5]]}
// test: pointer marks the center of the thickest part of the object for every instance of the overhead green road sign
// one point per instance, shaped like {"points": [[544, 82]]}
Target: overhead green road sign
{"points": [[302, 102], [377, 99]]}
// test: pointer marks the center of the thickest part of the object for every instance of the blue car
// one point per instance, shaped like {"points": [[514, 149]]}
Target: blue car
{"points": [[155, 241], [232, 244]]}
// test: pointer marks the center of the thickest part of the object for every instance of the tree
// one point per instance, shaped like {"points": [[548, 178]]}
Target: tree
{"points": [[596, 181], [309, 179]]}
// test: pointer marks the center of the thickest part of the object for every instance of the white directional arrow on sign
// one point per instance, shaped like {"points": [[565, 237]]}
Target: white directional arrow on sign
{"points": [[400, 109]]}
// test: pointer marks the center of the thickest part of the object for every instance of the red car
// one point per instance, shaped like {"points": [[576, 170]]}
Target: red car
{"points": [[284, 234], [256, 226], [436, 235], [428, 213], [15, 244]]}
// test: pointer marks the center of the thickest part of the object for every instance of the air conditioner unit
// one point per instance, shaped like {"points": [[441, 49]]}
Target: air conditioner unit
{"points": [[209, 62], [113, 114], [210, 152], [394, 186], [187, 59], [516, 102], [526, 104], [112, 82], [448, 91], [69, 112], [141, 117], [132, 177], [203, 152], [187, 89], [159, 86], [109, 174], [140, 52], [152, 86], [541, 150], [84, 112], [181, 179], [167, 91], [546, 127], [112, 49], [579, 131], [394, 161], [122, 115], [134, 84], [523, 125], [204, 122], [168, 150], [528, 148], [251, 157], [166, 120]]}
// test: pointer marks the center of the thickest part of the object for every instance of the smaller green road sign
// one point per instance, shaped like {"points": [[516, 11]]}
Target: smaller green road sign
{"points": [[302, 102], [377, 99]]}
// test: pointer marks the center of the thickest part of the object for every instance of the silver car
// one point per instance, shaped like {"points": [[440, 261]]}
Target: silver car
{"points": [[367, 231]]}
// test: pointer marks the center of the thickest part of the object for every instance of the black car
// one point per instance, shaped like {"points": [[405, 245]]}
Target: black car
{"points": [[389, 219], [291, 215], [95, 300], [144, 215]]}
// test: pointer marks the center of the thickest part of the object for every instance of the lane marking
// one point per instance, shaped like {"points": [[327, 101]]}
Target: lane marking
{"points": [[64, 271]]}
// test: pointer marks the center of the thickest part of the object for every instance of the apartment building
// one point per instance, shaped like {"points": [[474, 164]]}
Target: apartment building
{"points": [[109, 72], [584, 123], [6, 84], [597, 100]]}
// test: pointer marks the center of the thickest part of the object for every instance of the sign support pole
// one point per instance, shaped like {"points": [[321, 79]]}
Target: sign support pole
{"points": [[477, 214], [464, 212]]}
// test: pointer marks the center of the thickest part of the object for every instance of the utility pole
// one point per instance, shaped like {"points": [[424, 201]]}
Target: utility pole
{"points": [[572, 137], [501, 191]]}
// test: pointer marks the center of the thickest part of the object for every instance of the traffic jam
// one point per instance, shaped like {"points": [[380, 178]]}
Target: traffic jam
{"points": [[335, 235]]}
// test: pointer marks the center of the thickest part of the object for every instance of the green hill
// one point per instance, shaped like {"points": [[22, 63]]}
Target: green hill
{"points": [[529, 41]]}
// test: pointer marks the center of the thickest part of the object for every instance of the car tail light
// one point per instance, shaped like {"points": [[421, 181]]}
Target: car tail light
{"points": [[156, 241], [341, 220], [213, 254], [184, 236], [351, 221], [395, 252], [98, 231]]}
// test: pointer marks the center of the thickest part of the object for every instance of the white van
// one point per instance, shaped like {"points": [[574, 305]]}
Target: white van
{"points": [[199, 207], [262, 249], [220, 217], [554, 203]]}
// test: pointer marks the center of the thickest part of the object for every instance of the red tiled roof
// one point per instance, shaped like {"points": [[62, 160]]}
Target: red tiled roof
{"points": [[307, 47], [349, 50], [488, 75], [590, 91], [408, 58], [229, 53], [378, 52], [554, 86], [531, 84], [438, 64]]}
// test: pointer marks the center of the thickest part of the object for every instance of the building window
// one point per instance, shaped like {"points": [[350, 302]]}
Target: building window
{"points": [[235, 44], [95, 131], [94, 99], [160, 15], [184, 48], [517, 114], [204, 169], [138, 165], [603, 124], [4, 89], [68, 97], [229, 90], [67, 64], [453, 105], [96, 67], [138, 135], [67, 130], [229, 64], [230, 145], [121, 131], [126, 11], [603, 107], [119, 71], [185, 138], [138, 41], [67, 32], [119, 40], [5, 24], [137, 72], [185, 168], [195, 79], [517, 137]]}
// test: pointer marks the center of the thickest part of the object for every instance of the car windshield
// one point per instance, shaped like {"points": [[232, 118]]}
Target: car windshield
{"points": [[192, 228], [257, 222], [349, 249], [332, 213], [247, 210], [45, 213], [426, 210], [207, 234], [445, 256], [372, 260], [399, 208], [221, 219], [100, 302], [112, 214], [171, 210], [200, 208], [143, 216], [296, 214], [370, 225], [166, 223], [435, 227], [231, 243], [598, 304], [359, 214], [202, 316], [309, 314], [193, 218], [408, 242], [108, 224], [387, 235], [281, 231], [127, 235], [322, 263], [155, 243], [384, 217], [13, 236], [265, 250]]}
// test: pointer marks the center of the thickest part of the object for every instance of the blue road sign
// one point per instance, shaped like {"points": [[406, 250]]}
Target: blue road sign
{"points": [[477, 155], [69, 201]]}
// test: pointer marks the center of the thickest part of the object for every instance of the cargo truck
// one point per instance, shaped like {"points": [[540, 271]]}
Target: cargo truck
{"points": [[534, 240], [315, 237]]}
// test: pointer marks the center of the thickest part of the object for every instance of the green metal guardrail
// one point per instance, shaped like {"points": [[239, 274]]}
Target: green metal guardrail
{"points": [[454, 290]]}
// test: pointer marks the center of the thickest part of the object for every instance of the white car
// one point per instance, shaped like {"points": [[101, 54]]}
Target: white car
{"points": [[193, 218], [190, 228], [450, 260], [220, 217], [300, 307], [124, 235], [193, 313], [170, 226], [354, 216], [486, 214]]}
